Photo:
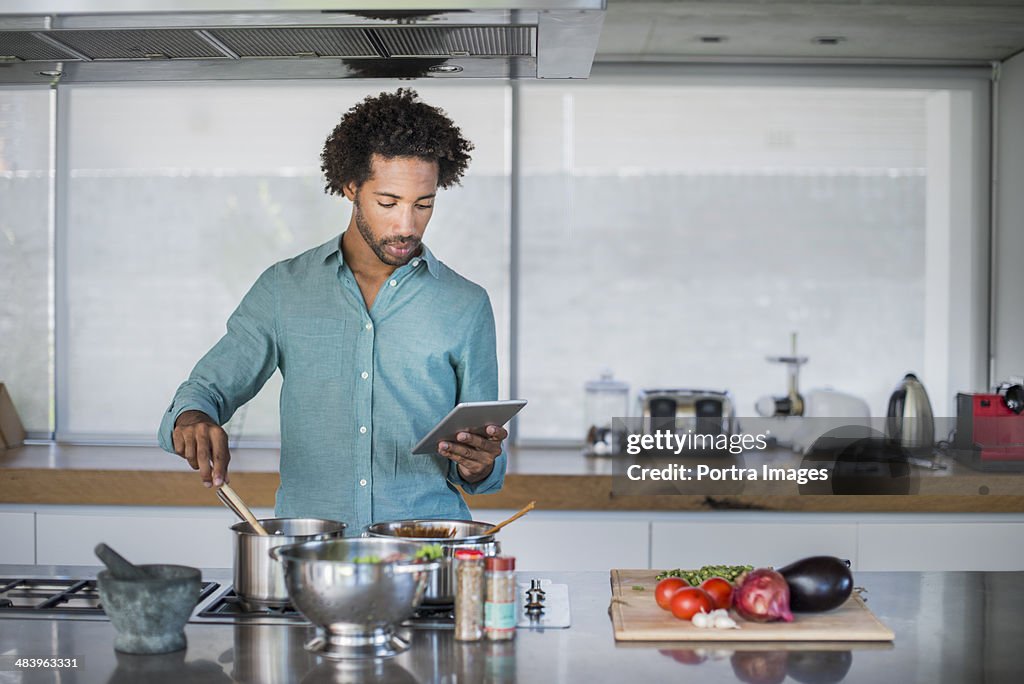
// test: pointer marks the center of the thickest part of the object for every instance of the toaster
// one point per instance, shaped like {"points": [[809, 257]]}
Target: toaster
{"points": [[699, 410], [990, 430]]}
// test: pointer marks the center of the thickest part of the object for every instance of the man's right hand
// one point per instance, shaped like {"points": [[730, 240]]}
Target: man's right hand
{"points": [[203, 443]]}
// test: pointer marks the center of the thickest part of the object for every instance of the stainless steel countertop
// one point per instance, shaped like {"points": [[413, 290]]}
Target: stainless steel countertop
{"points": [[950, 627]]}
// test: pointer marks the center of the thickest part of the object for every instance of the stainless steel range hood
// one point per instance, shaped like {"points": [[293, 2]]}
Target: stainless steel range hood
{"points": [[96, 41]]}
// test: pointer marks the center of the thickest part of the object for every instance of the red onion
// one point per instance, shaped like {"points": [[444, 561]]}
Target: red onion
{"points": [[763, 596]]}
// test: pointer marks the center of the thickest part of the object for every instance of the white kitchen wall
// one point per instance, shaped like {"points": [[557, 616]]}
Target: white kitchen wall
{"points": [[956, 253]]}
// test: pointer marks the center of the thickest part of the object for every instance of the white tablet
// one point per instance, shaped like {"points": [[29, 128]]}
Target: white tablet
{"points": [[470, 416]]}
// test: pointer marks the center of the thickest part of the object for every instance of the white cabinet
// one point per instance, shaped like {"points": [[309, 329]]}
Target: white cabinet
{"points": [[574, 540], [979, 545], [543, 540], [559, 540], [749, 540], [17, 538], [875, 541], [196, 537]]}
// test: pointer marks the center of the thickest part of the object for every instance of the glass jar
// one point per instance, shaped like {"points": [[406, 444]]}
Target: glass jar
{"points": [[500, 605], [604, 400], [469, 595]]}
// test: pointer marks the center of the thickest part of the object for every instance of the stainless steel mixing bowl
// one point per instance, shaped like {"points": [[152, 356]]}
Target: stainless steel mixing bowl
{"points": [[358, 605]]}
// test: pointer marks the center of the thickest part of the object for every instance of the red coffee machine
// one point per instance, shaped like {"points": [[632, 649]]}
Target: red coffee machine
{"points": [[990, 429]]}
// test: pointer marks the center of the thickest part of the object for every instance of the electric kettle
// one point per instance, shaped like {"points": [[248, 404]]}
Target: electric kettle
{"points": [[910, 423]]}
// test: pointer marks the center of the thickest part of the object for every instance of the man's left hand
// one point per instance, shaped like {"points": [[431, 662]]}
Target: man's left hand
{"points": [[475, 454]]}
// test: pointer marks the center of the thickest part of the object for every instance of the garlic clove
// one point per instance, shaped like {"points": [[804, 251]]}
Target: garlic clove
{"points": [[724, 622]]}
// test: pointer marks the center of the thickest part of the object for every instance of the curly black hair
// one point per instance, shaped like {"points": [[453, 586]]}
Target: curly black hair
{"points": [[393, 125]]}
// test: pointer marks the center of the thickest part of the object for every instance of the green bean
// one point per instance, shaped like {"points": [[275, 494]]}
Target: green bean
{"points": [[695, 577]]}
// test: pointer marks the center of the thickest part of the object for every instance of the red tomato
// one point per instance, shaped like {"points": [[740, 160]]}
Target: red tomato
{"points": [[720, 591], [689, 601], [666, 587]]}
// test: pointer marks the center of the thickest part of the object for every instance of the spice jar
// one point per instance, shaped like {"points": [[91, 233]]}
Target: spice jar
{"points": [[500, 606], [469, 594]]}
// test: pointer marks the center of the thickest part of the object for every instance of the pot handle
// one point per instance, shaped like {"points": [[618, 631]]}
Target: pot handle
{"points": [[273, 552], [429, 566]]}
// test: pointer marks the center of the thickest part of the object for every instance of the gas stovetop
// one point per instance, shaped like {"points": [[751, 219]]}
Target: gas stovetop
{"points": [[540, 604], [59, 597], [79, 599]]}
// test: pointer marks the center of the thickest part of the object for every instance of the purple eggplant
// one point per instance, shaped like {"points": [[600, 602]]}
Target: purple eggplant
{"points": [[818, 583]]}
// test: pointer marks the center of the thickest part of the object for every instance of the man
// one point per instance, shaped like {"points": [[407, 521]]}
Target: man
{"points": [[376, 341]]}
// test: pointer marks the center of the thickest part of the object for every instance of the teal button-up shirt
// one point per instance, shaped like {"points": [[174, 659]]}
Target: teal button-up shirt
{"points": [[360, 387]]}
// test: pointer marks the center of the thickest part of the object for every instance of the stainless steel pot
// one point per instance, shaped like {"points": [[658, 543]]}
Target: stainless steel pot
{"points": [[259, 579], [469, 534]]}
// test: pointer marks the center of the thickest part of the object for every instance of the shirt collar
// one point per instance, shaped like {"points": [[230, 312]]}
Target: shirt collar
{"points": [[333, 246], [329, 249], [433, 265]]}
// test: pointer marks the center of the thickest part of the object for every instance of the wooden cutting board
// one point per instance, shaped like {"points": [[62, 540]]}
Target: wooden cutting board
{"points": [[636, 617]]}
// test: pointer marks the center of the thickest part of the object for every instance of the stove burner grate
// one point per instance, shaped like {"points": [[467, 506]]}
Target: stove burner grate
{"points": [[60, 595], [229, 604]]}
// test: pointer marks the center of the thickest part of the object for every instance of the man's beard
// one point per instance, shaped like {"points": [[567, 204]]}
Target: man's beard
{"points": [[378, 245]]}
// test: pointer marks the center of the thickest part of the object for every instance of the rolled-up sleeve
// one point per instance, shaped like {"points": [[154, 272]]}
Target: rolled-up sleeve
{"points": [[236, 368], [477, 376]]}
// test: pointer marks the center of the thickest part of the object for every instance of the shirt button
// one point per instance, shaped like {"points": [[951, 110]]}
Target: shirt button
{"points": [[393, 283], [369, 326], [415, 262], [362, 429], [364, 375], [362, 483]]}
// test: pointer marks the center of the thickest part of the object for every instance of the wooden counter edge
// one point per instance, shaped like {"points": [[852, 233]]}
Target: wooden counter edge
{"points": [[45, 486]]}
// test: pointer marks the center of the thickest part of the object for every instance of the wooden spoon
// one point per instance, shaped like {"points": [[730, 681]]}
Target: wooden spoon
{"points": [[235, 503], [523, 511]]}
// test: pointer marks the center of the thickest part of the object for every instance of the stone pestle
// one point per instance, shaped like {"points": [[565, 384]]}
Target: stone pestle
{"points": [[119, 567]]}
